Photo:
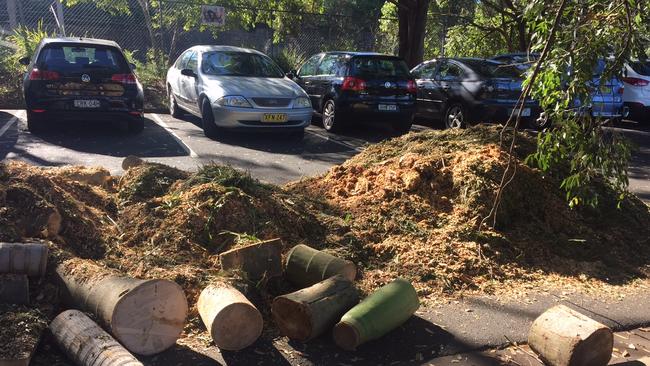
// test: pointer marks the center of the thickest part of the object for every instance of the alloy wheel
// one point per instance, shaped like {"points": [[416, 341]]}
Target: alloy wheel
{"points": [[455, 117], [329, 113]]}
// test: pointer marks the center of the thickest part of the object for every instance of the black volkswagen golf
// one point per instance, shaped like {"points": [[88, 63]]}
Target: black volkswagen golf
{"points": [[81, 79], [347, 86]]}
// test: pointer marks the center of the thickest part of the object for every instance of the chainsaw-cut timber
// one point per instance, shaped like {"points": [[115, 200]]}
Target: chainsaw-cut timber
{"points": [[146, 316], [562, 336], [86, 343], [131, 161], [232, 320], [14, 289], [257, 261], [23, 258], [306, 266], [382, 311], [308, 313]]}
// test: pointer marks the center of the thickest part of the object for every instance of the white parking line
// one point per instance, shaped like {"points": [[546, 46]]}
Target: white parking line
{"points": [[162, 124], [9, 123], [327, 138]]}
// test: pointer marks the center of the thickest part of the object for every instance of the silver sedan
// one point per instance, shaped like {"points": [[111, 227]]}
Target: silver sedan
{"points": [[236, 88]]}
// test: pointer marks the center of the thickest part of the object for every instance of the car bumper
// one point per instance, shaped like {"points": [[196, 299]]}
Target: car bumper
{"points": [[369, 110], [500, 111], [85, 116], [251, 118], [63, 108]]}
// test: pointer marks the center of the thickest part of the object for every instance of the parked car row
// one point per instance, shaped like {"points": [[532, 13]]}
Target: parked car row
{"points": [[238, 88]]}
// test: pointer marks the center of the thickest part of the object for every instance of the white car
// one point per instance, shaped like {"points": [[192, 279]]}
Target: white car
{"points": [[236, 88], [637, 89]]}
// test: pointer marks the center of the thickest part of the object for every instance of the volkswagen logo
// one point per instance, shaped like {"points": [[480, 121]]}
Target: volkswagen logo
{"points": [[388, 85], [85, 78]]}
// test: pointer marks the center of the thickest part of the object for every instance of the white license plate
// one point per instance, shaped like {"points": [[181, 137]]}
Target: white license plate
{"points": [[388, 107], [85, 103], [524, 113]]}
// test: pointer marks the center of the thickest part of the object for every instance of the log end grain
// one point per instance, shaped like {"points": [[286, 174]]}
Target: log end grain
{"points": [[348, 271], [292, 318], [240, 319], [150, 318], [595, 349], [346, 336]]}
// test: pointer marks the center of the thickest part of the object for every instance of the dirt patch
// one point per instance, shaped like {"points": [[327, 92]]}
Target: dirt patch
{"points": [[21, 330]]}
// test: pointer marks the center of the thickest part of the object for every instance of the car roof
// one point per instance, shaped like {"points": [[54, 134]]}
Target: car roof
{"points": [[462, 59], [517, 54], [208, 48], [76, 40], [356, 53]]}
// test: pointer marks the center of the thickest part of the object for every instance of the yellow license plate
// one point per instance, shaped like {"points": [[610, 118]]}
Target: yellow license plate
{"points": [[275, 117]]}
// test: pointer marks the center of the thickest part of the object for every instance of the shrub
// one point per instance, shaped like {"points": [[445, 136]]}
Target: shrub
{"points": [[290, 58]]}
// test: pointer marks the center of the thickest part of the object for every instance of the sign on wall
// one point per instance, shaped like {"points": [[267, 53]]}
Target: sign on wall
{"points": [[213, 15]]}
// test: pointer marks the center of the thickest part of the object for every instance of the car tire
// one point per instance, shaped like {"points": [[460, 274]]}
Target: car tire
{"points": [[35, 124], [402, 127], [136, 125], [210, 129], [174, 110], [455, 117], [331, 121]]}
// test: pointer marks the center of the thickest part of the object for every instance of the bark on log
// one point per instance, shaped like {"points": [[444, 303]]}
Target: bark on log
{"points": [[308, 313], [261, 260], [14, 289], [563, 337], [306, 266], [146, 316], [23, 258], [381, 312], [86, 343], [233, 322]]}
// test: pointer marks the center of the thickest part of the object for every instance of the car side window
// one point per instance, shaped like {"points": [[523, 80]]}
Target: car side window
{"points": [[426, 71], [309, 67], [331, 65], [179, 60], [184, 58], [449, 72], [193, 62]]}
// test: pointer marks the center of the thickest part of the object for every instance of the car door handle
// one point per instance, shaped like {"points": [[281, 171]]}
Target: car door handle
{"points": [[446, 87]]}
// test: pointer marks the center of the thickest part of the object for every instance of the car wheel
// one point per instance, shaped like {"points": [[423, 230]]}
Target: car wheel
{"points": [[174, 109], [35, 124], [403, 126], [455, 117], [331, 122], [541, 122], [207, 119], [136, 125]]}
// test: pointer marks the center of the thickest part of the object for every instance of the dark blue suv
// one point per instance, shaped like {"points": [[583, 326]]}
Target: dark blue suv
{"points": [[347, 86]]}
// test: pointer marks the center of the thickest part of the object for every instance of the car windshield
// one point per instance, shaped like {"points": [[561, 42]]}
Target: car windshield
{"points": [[641, 68], [82, 58], [378, 67], [489, 69], [226, 63]]}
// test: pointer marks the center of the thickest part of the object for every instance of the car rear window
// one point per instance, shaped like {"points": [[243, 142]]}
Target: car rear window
{"points": [[82, 58], [379, 67], [641, 68], [489, 69]]}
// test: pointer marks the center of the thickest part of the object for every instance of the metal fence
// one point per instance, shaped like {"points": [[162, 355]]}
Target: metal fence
{"points": [[174, 25]]}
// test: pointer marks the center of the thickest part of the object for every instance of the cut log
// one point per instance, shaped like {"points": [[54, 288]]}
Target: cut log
{"points": [[233, 322], [146, 316], [23, 258], [306, 266], [14, 289], [384, 310], [562, 336], [257, 261], [131, 161], [86, 343], [308, 313]]}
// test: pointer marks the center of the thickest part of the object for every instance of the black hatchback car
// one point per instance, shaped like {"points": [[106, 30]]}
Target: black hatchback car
{"points": [[81, 79], [469, 90], [359, 85]]}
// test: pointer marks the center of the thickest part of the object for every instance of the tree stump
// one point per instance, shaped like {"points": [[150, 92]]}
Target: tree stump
{"points": [[233, 322], [308, 313], [14, 289], [86, 343], [563, 337], [306, 266], [384, 310], [260, 260], [23, 258], [146, 316]]}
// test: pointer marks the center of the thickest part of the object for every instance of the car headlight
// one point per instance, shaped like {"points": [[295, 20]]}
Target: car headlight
{"points": [[233, 101], [302, 102]]}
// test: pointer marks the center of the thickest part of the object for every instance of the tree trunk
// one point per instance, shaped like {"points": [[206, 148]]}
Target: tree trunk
{"points": [[308, 313], [232, 321], [86, 343], [23, 258], [384, 310], [257, 261], [146, 316], [306, 266], [563, 337], [412, 17]]}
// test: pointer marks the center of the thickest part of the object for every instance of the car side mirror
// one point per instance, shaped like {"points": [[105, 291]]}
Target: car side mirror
{"points": [[291, 74], [188, 72], [24, 61], [132, 65]]}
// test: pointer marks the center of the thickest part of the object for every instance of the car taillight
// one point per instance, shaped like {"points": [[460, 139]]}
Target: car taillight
{"points": [[354, 84], [412, 87], [636, 81], [37, 74], [621, 90], [124, 78]]}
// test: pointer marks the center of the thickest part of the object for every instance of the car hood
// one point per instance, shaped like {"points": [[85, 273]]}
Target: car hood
{"points": [[219, 86]]}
